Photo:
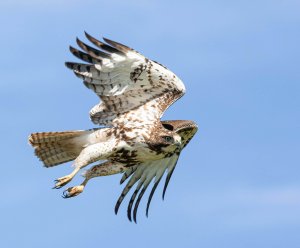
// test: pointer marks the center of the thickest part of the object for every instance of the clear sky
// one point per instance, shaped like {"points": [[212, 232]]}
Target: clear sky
{"points": [[237, 183]]}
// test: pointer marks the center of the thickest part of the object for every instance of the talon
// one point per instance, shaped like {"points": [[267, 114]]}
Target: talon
{"points": [[60, 182], [73, 191]]}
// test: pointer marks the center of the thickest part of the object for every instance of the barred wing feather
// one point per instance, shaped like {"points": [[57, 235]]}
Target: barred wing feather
{"points": [[133, 89], [141, 176]]}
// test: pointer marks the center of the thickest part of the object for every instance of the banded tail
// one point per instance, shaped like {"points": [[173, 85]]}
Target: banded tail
{"points": [[54, 148]]}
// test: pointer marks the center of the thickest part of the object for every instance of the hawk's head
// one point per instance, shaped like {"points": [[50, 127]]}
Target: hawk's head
{"points": [[183, 128], [171, 136]]}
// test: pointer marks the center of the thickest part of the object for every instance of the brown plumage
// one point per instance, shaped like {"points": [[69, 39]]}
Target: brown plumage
{"points": [[54, 148], [134, 93]]}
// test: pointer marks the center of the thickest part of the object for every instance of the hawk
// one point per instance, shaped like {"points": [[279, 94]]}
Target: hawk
{"points": [[135, 92]]}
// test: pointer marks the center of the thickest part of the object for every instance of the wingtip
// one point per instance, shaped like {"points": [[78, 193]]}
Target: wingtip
{"points": [[69, 65], [72, 49], [87, 35], [134, 216], [129, 213], [93, 39], [129, 218], [78, 41], [117, 208], [106, 39], [110, 42], [164, 194], [121, 47], [147, 210]]}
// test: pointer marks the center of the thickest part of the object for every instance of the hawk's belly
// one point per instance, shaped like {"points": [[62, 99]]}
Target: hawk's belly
{"points": [[132, 148], [135, 153]]}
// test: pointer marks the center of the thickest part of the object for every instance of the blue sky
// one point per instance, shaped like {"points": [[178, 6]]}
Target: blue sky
{"points": [[237, 184]]}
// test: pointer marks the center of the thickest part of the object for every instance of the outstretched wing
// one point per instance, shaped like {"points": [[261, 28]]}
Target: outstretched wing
{"points": [[133, 89], [143, 174]]}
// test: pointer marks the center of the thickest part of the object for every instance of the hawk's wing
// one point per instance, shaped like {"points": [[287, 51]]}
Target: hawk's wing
{"points": [[133, 89], [143, 174]]}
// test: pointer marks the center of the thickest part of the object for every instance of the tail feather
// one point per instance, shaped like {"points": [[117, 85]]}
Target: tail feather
{"points": [[47, 137], [54, 148], [55, 155]]}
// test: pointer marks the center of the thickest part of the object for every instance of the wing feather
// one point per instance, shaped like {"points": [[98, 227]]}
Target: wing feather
{"points": [[135, 177], [97, 54], [102, 45], [128, 173], [171, 169], [83, 56], [143, 175], [129, 85], [152, 193], [136, 191], [137, 203], [118, 46]]}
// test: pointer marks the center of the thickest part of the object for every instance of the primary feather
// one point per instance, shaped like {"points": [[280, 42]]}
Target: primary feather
{"points": [[129, 84]]}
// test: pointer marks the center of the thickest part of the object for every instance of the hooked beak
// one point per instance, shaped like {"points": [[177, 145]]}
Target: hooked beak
{"points": [[177, 140]]}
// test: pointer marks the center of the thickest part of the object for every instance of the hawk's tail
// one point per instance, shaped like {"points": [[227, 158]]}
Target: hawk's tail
{"points": [[55, 148]]}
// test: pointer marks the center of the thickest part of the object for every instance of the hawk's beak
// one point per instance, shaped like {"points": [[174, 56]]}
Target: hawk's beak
{"points": [[177, 141]]}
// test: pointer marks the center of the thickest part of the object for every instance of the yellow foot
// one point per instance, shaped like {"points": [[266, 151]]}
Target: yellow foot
{"points": [[73, 191], [62, 181]]}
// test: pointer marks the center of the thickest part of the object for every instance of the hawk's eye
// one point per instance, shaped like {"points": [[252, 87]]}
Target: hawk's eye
{"points": [[168, 138]]}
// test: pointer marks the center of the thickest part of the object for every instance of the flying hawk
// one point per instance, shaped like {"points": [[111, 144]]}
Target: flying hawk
{"points": [[134, 91]]}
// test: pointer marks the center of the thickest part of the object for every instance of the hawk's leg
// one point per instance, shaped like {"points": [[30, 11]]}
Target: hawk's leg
{"points": [[87, 156], [105, 169]]}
